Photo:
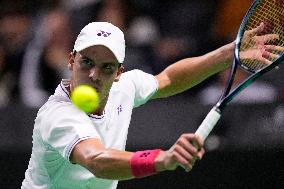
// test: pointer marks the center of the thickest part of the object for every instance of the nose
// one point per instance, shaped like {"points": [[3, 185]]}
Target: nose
{"points": [[94, 73]]}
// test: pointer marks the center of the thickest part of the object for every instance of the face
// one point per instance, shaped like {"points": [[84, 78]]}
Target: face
{"points": [[95, 66]]}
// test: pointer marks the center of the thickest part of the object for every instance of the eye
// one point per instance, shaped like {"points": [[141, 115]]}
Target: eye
{"points": [[108, 67], [88, 63]]}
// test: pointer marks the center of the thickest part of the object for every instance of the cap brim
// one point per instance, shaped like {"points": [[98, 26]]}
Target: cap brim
{"points": [[109, 46]]}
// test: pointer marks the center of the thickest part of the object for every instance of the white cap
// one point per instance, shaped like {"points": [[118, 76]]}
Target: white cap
{"points": [[102, 33]]}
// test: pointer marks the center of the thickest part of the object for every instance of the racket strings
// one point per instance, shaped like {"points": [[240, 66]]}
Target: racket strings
{"points": [[256, 45]]}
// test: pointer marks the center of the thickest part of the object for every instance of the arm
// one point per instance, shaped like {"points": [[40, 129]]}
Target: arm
{"points": [[188, 72], [115, 164], [102, 162]]}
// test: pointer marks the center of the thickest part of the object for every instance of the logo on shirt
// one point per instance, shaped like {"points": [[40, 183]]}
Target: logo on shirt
{"points": [[119, 109], [103, 33]]}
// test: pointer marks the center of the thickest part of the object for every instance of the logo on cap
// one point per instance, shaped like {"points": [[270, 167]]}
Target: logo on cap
{"points": [[103, 33]]}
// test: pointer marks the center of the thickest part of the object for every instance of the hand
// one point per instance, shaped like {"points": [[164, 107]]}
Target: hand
{"points": [[183, 153], [258, 35], [255, 46], [261, 53]]}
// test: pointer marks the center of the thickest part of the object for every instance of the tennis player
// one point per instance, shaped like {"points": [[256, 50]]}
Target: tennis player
{"points": [[72, 149]]}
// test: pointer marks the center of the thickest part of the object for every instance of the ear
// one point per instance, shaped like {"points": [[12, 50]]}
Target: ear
{"points": [[71, 61], [119, 72]]}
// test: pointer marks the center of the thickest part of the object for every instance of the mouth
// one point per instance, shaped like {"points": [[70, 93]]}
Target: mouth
{"points": [[96, 88]]}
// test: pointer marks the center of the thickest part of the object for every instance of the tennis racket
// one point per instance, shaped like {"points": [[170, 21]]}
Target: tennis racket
{"points": [[259, 49]]}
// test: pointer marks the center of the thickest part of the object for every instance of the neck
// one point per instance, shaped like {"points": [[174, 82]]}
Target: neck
{"points": [[101, 108]]}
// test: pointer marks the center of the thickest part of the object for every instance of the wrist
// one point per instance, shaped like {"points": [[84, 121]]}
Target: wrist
{"points": [[226, 54], [160, 162], [229, 51], [142, 163]]}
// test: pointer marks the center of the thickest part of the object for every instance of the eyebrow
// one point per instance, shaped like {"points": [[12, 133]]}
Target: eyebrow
{"points": [[108, 62], [85, 57]]}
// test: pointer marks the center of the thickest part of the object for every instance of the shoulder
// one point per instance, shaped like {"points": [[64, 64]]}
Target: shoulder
{"points": [[136, 77], [133, 74], [134, 80], [60, 119], [59, 104], [59, 111]]}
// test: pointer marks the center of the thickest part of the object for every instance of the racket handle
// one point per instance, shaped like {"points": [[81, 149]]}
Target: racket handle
{"points": [[208, 123]]}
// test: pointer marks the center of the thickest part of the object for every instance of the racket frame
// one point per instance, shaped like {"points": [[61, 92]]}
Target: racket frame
{"points": [[215, 113]]}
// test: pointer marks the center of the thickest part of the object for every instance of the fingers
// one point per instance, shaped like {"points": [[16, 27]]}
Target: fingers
{"points": [[255, 31], [187, 164], [263, 53], [200, 142], [256, 37], [200, 153], [274, 48], [269, 52], [265, 61], [187, 149], [266, 38], [184, 145], [269, 55]]}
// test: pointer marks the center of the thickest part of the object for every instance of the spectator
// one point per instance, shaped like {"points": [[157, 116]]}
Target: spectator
{"points": [[15, 22], [45, 57]]}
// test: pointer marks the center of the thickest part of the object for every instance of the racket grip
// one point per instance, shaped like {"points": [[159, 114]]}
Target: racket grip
{"points": [[208, 123]]}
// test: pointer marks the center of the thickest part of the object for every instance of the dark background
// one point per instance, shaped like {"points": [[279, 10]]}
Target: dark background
{"points": [[245, 150], [250, 154]]}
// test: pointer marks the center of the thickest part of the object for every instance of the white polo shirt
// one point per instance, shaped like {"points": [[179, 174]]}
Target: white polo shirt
{"points": [[59, 126]]}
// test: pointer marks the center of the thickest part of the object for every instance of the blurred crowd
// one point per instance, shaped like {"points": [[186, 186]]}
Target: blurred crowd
{"points": [[36, 38]]}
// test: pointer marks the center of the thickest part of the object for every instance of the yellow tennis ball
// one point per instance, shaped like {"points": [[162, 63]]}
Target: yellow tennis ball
{"points": [[85, 98]]}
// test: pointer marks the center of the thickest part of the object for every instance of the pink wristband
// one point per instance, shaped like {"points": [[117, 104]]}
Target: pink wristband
{"points": [[143, 163]]}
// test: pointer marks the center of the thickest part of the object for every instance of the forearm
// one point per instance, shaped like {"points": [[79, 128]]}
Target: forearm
{"points": [[111, 164], [114, 164], [188, 72], [122, 165]]}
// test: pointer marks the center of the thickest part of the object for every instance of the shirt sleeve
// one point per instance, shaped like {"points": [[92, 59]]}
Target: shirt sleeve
{"points": [[66, 127], [144, 85]]}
